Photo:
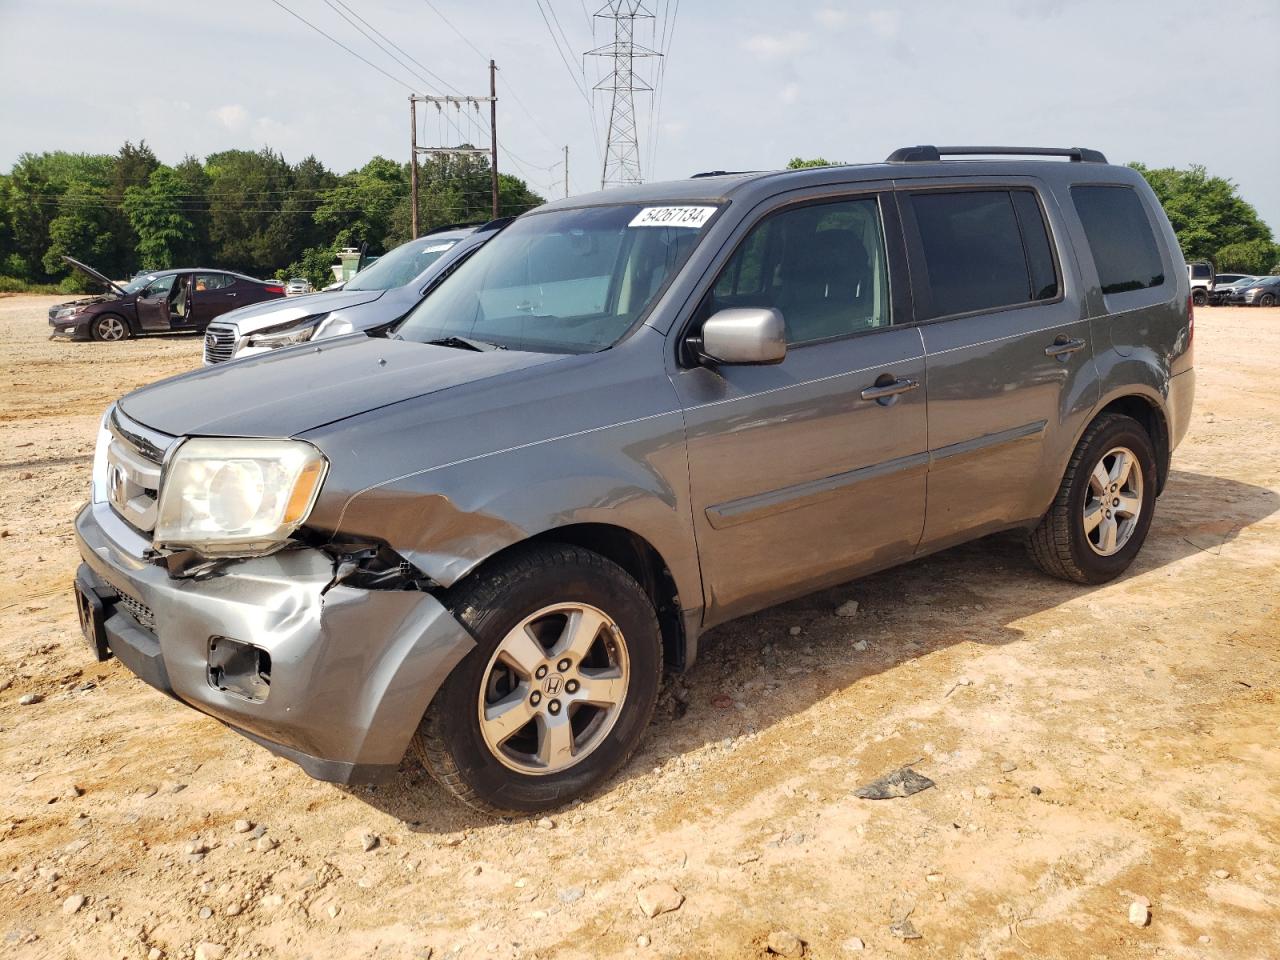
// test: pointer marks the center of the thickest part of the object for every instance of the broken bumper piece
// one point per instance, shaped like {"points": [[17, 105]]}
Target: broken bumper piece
{"points": [[335, 680]]}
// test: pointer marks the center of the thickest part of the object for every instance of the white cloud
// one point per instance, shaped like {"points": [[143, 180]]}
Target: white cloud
{"points": [[770, 46], [885, 23], [831, 18], [790, 93], [232, 116]]}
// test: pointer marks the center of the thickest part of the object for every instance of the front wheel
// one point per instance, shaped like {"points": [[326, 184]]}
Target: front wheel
{"points": [[559, 689], [1100, 517], [1267, 300], [109, 328]]}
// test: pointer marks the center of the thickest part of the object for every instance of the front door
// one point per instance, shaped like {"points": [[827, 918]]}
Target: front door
{"points": [[808, 472], [1007, 350], [153, 303]]}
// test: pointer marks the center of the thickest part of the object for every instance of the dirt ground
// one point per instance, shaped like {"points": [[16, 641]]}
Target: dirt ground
{"points": [[1090, 747]]}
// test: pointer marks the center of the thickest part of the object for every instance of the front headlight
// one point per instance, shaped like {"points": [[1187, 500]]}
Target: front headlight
{"points": [[235, 498], [286, 334], [65, 313]]}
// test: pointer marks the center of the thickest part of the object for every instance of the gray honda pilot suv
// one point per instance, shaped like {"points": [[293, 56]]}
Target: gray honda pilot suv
{"points": [[633, 416]]}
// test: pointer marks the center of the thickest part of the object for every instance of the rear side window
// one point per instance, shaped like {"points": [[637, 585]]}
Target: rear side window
{"points": [[1119, 234], [213, 281], [982, 250]]}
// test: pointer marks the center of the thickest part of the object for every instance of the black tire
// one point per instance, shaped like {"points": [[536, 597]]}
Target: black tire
{"points": [[1199, 298], [1267, 300], [1059, 545], [492, 603], [106, 326]]}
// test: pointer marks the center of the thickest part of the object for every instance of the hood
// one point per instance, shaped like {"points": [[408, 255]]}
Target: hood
{"points": [[287, 392], [94, 274], [83, 302], [269, 313]]}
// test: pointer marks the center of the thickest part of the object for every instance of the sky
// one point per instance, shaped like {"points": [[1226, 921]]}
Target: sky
{"points": [[745, 84]]}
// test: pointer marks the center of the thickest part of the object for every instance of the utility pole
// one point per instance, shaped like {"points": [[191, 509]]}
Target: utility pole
{"points": [[493, 135], [622, 150], [566, 170], [413, 169], [462, 150]]}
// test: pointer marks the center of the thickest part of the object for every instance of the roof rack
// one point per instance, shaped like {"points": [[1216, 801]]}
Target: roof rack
{"points": [[719, 173], [925, 153]]}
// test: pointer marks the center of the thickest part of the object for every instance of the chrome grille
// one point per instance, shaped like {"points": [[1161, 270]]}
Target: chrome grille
{"points": [[139, 611], [219, 343], [133, 473]]}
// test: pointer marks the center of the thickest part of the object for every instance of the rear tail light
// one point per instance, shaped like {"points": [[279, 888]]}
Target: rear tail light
{"points": [[274, 289], [1191, 319]]}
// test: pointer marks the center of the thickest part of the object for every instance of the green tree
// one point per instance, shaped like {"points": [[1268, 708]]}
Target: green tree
{"points": [[246, 189], [81, 229], [1252, 256], [799, 163], [1207, 213], [360, 206], [156, 214]]}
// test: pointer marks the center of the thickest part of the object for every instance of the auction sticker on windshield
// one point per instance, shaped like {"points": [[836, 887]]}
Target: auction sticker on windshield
{"points": [[693, 217]]}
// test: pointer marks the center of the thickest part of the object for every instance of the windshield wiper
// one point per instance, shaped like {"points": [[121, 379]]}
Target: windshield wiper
{"points": [[466, 343]]}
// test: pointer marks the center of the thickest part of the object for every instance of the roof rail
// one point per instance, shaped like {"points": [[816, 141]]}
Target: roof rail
{"points": [[719, 173], [924, 153]]}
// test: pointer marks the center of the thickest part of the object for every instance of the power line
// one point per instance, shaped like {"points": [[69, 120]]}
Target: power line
{"points": [[655, 131], [591, 109], [460, 34], [334, 40], [420, 76]]}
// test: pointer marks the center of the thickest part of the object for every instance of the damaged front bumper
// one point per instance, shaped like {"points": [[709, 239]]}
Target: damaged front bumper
{"points": [[334, 678]]}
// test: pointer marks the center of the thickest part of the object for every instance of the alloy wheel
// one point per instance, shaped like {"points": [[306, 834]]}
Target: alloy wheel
{"points": [[554, 688], [110, 328], [1113, 503]]}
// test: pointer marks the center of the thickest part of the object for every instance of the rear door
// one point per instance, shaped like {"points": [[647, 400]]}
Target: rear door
{"points": [[212, 295], [806, 472], [1007, 351]]}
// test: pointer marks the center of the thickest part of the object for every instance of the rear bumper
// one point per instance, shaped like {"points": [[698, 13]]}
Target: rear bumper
{"points": [[1182, 395], [350, 673]]}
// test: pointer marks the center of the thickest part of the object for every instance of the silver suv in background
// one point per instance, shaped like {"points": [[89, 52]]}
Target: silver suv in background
{"points": [[630, 417], [378, 295]]}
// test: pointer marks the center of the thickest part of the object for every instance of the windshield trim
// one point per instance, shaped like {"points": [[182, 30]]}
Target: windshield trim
{"points": [[721, 204]]}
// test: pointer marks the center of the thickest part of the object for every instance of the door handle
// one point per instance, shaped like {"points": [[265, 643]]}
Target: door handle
{"points": [[886, 391], [1064, 346], [230, 294]]}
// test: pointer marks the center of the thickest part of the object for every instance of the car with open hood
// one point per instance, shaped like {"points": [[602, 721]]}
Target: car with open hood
{"points": [[378, 295], [630, 417], [160, 301]]}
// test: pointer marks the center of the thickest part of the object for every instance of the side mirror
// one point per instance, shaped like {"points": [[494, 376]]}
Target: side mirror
{"points": [[744, 335]]}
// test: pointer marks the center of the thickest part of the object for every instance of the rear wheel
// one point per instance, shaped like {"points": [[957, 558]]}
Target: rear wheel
{"points": [[559, 689], [1199, 297], [1100, 517], [109, 328]]}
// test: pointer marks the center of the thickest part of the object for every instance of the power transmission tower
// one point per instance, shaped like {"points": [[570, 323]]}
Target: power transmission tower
{"points": [[442, 103], [622, 150]]}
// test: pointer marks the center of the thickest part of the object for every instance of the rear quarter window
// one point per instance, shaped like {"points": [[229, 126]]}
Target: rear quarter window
{"points": [[1120, 238]]}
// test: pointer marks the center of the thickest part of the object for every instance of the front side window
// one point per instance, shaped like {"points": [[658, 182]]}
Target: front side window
{"points": [[1119, 234], [821, 266], [982, 250], [565, 281], [401, 266]]}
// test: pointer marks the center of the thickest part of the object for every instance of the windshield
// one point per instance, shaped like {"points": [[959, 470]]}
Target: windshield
{"points": [[569, 281], [138, 282], [400, 266]]}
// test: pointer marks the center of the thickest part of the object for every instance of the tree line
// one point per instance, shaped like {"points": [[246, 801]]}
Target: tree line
{"points": [[1212, 221], [244, 210]]}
